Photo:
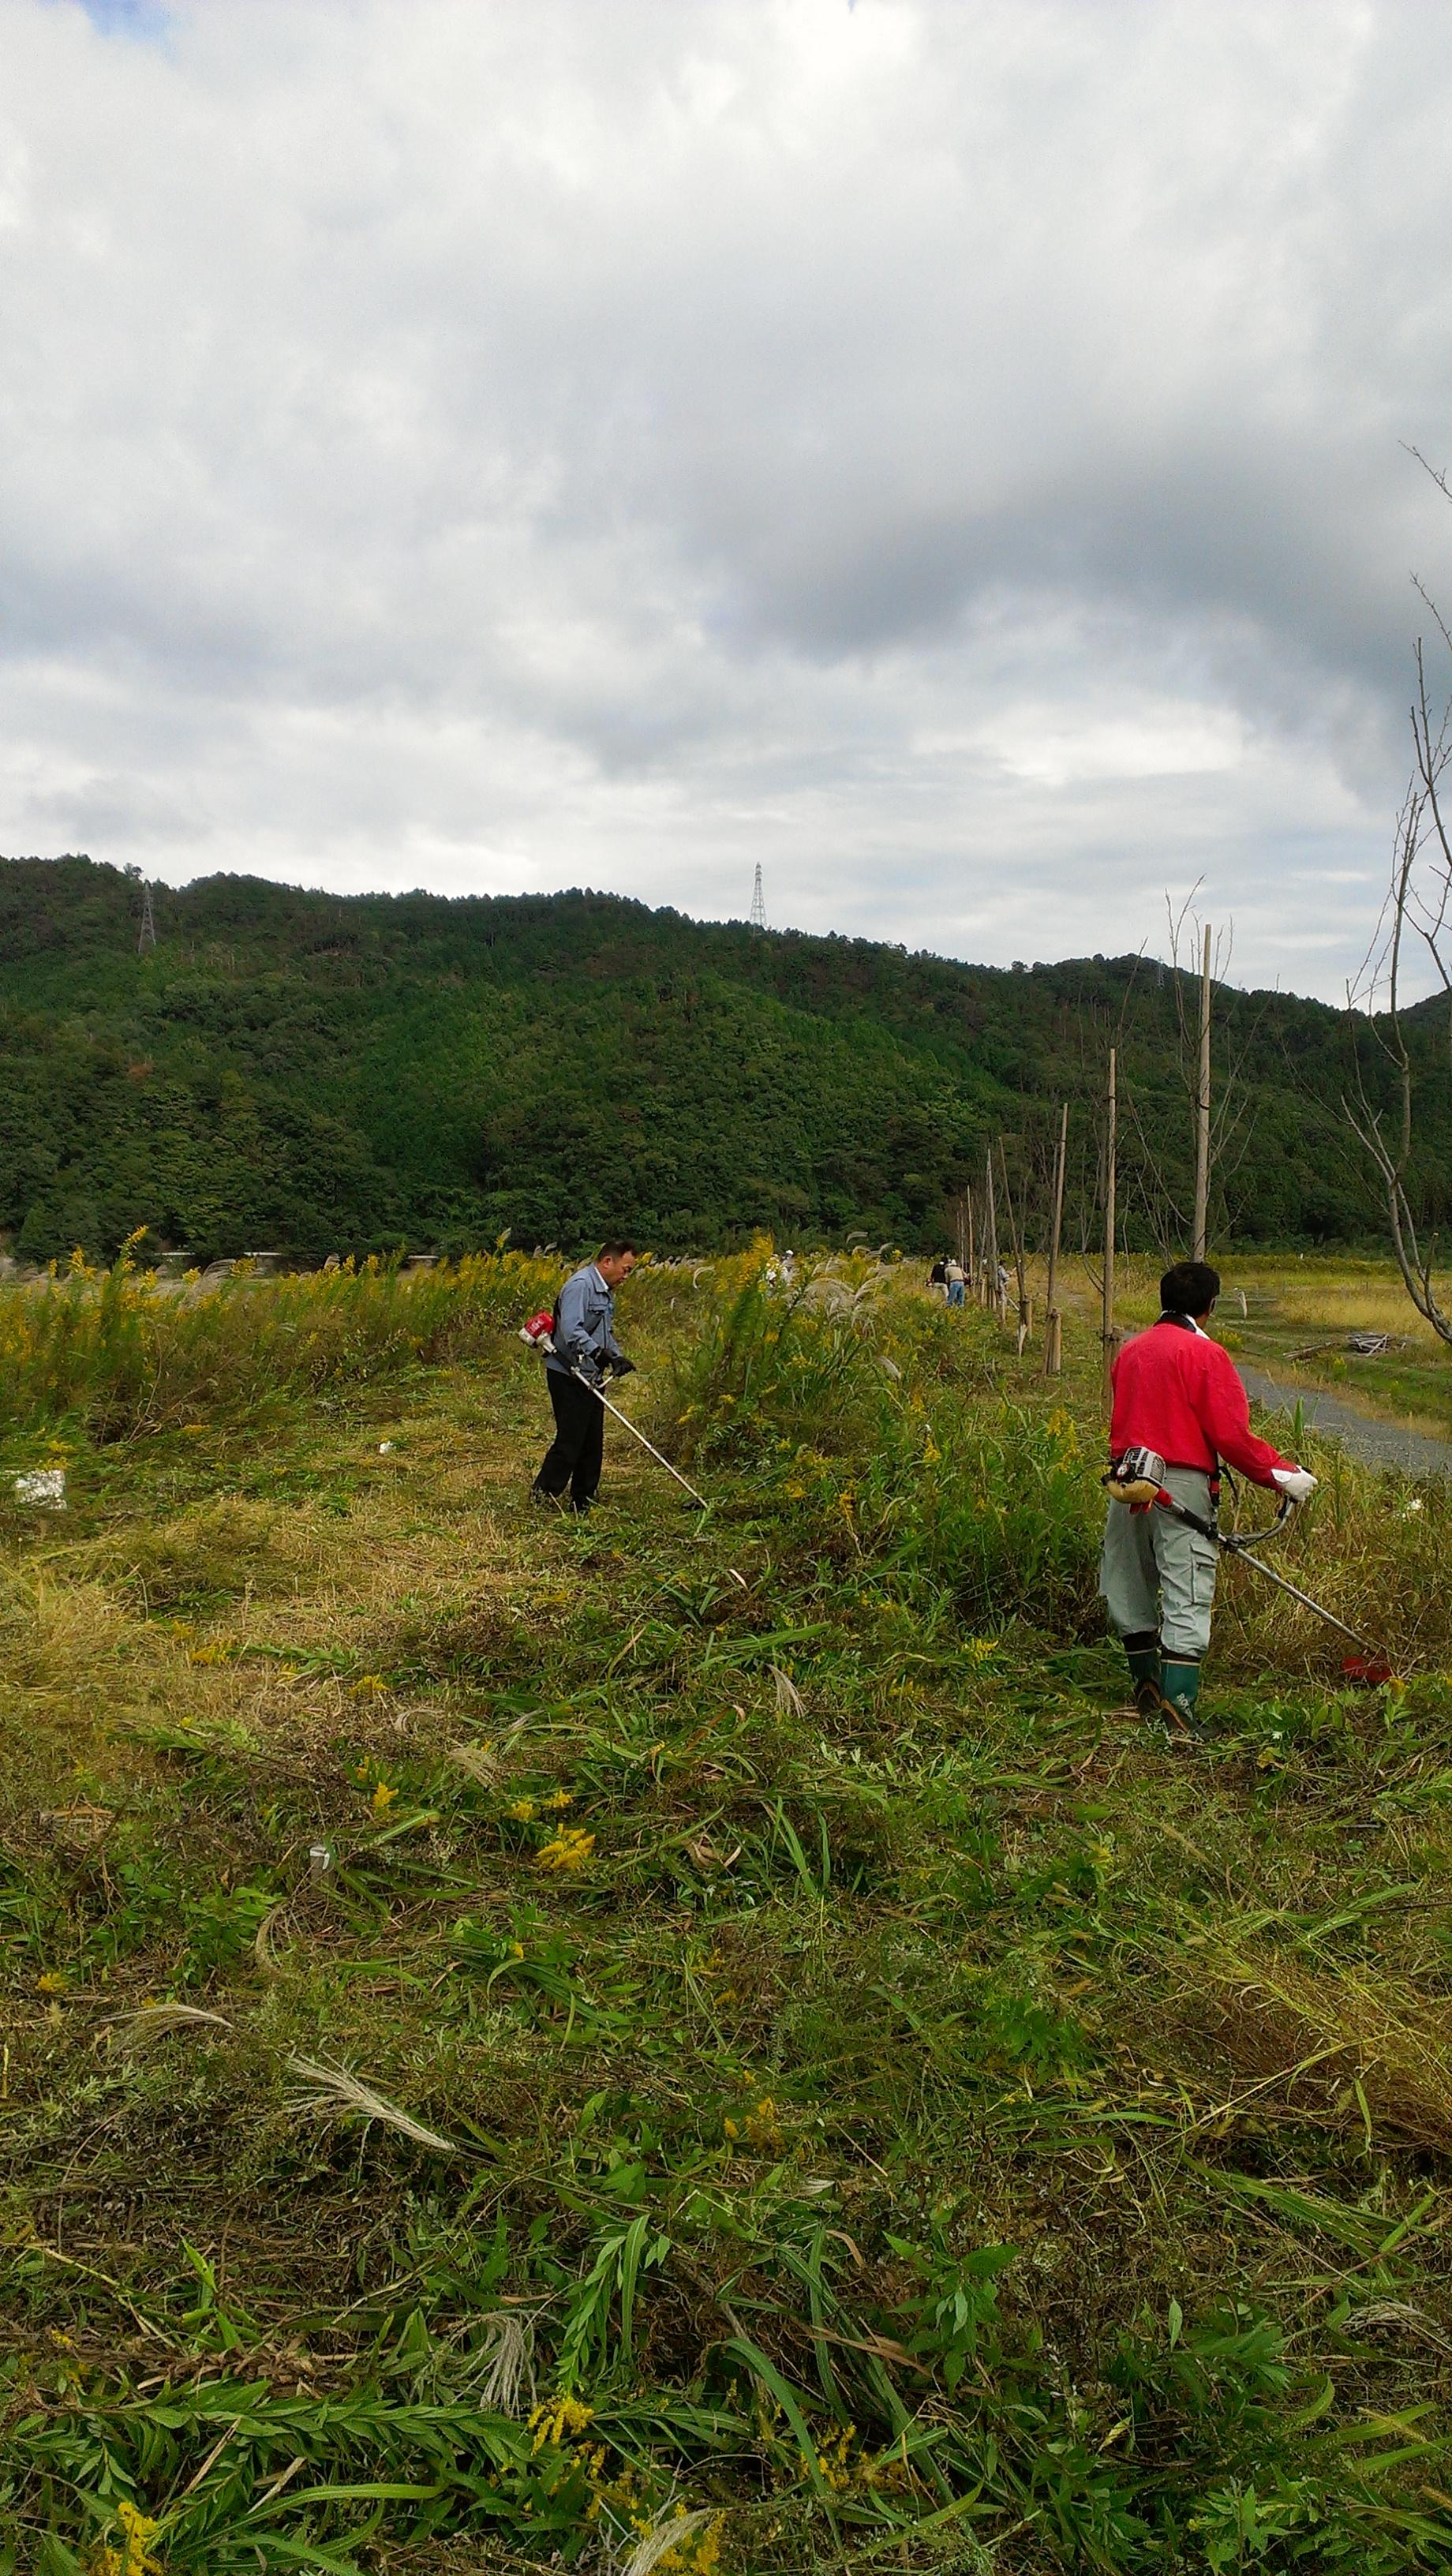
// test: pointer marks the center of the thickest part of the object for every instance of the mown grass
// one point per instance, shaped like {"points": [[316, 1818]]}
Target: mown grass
{"points": [[879, 2105]]}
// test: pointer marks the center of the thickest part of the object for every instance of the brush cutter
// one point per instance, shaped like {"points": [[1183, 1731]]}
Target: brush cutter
{"points": [[1138, 1479], [539, 1333]]}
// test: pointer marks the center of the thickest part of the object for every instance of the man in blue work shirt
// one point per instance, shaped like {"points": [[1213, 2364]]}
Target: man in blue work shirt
{"points": [[583, 1333]]}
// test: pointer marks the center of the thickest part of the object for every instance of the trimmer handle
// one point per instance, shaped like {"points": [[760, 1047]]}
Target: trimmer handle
{"points": [[1236, 1542]]}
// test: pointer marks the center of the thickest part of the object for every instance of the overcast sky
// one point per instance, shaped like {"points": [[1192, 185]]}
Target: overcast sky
{"points": [[948, 450]]}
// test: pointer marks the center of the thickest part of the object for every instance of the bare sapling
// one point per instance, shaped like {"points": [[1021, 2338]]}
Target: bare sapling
{"points": [[1111, 1157], [1202, 1113], [1015, 1226], [1053, 1321], [1416, 918], [1221, 1121]]}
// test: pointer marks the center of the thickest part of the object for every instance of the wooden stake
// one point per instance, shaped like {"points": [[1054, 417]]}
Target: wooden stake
{"points": [[990, 1249], [1111, 1149], [1053, 1331], [1202, 1114]]}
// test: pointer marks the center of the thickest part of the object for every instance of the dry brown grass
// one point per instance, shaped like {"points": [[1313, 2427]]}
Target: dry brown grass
{"points": [[1346, 2048]]}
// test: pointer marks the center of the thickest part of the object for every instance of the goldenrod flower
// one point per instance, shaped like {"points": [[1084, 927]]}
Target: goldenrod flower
{"points": [[559, 2421], [568, 1849]]}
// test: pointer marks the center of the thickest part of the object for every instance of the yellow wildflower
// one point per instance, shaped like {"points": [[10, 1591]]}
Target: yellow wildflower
{"points": [[522, 1811], [561, 1798], [51, 1983], [699, 2555], [559, 2421], [383, 1798], [763, 2128], [568, 1849], [134, 2557], [833, 2463]]}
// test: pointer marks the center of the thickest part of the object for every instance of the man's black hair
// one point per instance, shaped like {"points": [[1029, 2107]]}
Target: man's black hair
{"points": [[1191, 1288], [612, 1250]]}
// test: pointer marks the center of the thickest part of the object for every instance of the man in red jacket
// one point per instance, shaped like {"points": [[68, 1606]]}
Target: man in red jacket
{"points": [[1178, 1393]]}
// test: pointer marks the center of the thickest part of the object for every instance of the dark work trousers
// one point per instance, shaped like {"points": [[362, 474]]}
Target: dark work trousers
{"points": [[574, 1455]]}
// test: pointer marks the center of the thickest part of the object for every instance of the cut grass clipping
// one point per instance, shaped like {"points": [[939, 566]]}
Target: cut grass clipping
{"points": [[681, 2044]]}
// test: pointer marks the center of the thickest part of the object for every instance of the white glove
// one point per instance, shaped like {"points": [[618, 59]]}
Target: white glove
{"points": [[1298, 1482]]}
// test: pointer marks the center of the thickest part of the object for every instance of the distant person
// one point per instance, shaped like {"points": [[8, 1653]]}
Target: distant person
{"points": [[938, 1275], [1179, 1395], [953, 1273], [585, 1348]]}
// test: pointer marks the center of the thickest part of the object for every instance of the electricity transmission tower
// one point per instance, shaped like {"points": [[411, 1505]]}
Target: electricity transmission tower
{"points": [[148, 926], [758, 902]]}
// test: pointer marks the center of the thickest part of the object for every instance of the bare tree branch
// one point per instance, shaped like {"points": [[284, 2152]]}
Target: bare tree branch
{"points": [[1417, 907]]}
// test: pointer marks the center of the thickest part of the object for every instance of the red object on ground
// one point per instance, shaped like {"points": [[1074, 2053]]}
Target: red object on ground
{"points": [[1366, 1668], [1180, 1393]]}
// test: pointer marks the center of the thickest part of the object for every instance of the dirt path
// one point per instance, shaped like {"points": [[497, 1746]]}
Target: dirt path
{"points": [[1378, 1443]]}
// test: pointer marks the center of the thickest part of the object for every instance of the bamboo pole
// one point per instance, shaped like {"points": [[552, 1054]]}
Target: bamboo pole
{"points": [[1202, 1113], [1111, 1149], [1053, 1323], [990, 1248]]}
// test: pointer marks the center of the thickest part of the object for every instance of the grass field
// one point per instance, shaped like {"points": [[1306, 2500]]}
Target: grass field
{"points": [[705, 2045], [1299, 1310]]}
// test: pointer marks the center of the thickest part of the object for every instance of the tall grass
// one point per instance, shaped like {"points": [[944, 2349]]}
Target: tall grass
{"points": [[122, 1357], [866, 1412]]}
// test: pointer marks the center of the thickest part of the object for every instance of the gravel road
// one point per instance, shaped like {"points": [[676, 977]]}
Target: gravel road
{"points": [[1379, 1444]]}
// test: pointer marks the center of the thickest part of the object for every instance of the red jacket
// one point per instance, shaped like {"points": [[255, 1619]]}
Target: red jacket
{"points": [[1180, 1393]]}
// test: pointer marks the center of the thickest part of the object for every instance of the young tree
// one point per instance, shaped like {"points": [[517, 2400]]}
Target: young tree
{"points": [[1416, 918]]}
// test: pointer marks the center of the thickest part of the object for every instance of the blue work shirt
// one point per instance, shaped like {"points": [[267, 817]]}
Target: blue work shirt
{"points": [[584, 1328]]}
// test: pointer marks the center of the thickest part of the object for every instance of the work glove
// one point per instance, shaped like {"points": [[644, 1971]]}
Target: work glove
{"points": [[1298, 1482], [620, 1366]]}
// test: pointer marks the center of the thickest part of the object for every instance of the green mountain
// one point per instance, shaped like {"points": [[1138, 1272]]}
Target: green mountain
{"points": [[314, 1073]]}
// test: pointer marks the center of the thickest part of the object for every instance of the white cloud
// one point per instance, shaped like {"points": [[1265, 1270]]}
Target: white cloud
{"points": [[949, 453]]}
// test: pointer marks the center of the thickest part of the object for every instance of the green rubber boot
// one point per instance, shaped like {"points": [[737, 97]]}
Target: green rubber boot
{"points": [[1142, 1654], [1180, 1686]]}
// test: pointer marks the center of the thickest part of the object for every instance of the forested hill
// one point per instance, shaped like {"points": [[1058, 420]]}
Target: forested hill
{"points": [[312, 1073]]}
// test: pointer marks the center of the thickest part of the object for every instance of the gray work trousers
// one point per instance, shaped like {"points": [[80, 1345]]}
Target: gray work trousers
{"points": [[1157, 1574]]}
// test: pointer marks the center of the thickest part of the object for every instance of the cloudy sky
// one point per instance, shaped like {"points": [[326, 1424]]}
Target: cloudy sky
{"points": [[951, 451]]}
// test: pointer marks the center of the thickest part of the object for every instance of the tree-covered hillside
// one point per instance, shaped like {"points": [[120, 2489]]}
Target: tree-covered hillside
{"points": [[314, 1073]]}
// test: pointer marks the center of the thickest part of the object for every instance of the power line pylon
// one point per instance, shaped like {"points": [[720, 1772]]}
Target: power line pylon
{"points": [[148, 926], [758, 902]]}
